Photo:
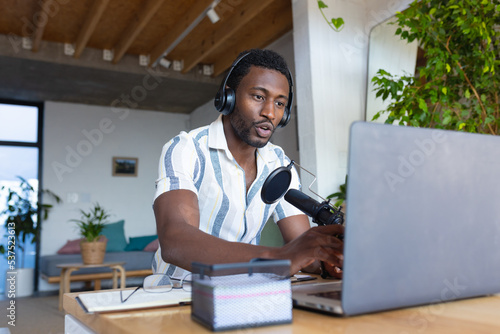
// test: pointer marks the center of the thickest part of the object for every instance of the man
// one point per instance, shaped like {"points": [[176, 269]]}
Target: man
{"points": [[207, 204]]}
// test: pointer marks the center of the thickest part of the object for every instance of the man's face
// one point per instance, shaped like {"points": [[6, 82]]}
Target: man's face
{"points": [[261, 98]]}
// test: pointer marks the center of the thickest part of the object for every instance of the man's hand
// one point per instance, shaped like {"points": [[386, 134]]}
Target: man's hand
{"points": [[315, 244], [333, 271]]}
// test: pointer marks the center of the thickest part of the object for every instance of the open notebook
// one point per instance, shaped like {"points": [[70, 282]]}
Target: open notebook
{"points": [[110, 301]]}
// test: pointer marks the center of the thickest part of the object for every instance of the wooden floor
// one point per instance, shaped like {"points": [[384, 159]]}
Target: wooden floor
{"points": [[35, 315]]}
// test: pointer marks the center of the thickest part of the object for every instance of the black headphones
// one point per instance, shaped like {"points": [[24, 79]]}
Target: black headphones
{"points": [[225, 99]]}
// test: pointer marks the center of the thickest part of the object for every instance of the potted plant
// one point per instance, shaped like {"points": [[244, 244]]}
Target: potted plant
{"points": [[22, 227], [457, 87], [91, 225], [340, 195]]}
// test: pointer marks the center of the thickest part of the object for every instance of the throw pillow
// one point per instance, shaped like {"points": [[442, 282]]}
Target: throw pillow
{"points": [[115, 234], [71, 247], [139, 243], [152, 246]]}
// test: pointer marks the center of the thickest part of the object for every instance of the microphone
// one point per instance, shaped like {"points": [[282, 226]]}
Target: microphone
{"points": [[277, 184], [321, 213]]}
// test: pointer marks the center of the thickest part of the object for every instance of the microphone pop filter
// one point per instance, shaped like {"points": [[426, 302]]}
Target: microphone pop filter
{"points": [[276, 184]]}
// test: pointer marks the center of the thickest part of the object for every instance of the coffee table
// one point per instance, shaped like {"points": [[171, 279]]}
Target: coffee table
{"points": [[67, 269]]}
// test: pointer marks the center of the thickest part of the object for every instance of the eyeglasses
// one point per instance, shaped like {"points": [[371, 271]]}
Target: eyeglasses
{"points": [[159, 283]]}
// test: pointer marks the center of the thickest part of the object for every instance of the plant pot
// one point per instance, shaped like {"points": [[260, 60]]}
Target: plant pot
{"points": [[93, 252], [19, 283]]}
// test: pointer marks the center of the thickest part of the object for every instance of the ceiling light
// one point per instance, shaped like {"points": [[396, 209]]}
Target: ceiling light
{"points": [[212, 15], [165, 62]]}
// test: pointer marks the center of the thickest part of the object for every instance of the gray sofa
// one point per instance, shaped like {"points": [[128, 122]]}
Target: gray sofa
{"points": [[137, 263]]}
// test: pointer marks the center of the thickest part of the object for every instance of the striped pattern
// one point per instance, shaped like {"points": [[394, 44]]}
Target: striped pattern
{"points": [[200, 161]]}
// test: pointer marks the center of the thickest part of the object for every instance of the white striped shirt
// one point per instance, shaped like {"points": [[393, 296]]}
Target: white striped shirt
{"points": [[200, 161]]}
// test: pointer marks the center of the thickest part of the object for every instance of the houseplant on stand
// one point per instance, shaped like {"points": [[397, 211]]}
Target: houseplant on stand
{"points": [[91, 224], [21, 223]]}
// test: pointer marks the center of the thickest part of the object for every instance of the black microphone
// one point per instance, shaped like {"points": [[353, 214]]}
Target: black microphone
{"points": [[321, 213]]}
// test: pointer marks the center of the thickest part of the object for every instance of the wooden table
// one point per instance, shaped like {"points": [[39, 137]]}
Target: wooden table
{"points": [[477, 315], [67, 269]]}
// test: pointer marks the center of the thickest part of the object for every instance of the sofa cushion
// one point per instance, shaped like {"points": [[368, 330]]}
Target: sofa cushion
{"points": [[139, 243], [152, 246], [71, 247], [115, 234]]}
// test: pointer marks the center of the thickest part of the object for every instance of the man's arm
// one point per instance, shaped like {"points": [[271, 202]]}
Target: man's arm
{"points": [[177, 221]]}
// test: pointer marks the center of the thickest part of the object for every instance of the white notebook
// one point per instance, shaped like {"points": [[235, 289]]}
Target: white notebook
{"points": [[110, 301]]}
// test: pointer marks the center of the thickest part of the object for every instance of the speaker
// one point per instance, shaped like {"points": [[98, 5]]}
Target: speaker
{"points": [[225, 99]]}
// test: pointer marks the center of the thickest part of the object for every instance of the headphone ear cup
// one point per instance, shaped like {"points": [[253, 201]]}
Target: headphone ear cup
{"points": [[288, 112], [220, 100], [285, 119], [229, 102]]}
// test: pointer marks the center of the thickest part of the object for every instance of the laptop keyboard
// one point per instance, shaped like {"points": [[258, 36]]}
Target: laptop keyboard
{"points": [[329, 294]]}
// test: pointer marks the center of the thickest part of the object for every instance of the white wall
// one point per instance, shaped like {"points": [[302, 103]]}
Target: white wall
{"points": [[331, 79], [391, 53], [87, 171]]}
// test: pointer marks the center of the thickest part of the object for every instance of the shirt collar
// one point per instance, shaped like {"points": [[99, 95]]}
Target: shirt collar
{"points": [[216, 137]]}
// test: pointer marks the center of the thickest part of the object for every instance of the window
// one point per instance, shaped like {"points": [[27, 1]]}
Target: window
{"points": [[20, 155]]}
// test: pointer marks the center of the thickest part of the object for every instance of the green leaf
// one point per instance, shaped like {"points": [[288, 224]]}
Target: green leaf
{"points": [[422, 105], [321, 4], [444, 90], [338, 23]]}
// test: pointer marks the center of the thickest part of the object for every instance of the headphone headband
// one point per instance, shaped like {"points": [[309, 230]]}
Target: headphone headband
{"points": [[225, 99]]}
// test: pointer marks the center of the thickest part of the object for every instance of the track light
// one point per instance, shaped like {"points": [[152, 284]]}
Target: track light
{"points": [[165, 62], [212, 15]]}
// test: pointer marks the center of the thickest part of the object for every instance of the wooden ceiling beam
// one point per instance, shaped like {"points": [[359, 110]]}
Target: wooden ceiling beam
{"points": [[178, 29], [227, 29], [41, 23], [281, 24], [92, 19], [135, 28]]}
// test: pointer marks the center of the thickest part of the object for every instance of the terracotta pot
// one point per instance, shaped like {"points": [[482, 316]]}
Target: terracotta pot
{"points": [[93, 252]]}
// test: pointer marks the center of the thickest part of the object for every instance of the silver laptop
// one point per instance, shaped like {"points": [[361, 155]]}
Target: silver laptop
{"points": [[422, 221]]}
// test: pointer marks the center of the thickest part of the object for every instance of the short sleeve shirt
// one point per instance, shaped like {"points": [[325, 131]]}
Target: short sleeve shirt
{"points": [[201, 162]]}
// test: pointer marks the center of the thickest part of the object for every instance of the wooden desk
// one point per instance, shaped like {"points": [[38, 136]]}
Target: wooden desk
{"points": [[67, 269], [478, 315]]}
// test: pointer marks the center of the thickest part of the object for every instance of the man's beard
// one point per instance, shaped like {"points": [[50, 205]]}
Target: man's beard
{"points": [[243, 131]]}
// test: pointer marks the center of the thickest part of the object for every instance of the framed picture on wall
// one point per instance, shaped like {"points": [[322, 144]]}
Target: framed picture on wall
{"points": [[125, 166]]}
